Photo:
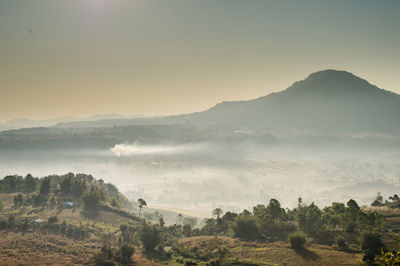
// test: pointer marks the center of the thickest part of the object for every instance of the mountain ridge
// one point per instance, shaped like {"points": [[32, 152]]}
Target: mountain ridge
{"points": [[327, 100], [30, 123]]}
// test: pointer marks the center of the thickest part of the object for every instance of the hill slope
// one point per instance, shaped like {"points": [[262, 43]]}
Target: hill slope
{"points": [[327, 101]]}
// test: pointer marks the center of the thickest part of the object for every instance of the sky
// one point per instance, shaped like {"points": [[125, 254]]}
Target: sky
{"points": [[84, 57]]}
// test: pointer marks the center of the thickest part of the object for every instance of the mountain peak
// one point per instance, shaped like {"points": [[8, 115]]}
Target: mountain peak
{"points": [[332, 81], [331, 73]]}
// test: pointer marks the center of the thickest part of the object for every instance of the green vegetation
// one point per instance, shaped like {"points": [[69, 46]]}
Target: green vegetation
{"points": [[89, 212], [150, 236], [141, 203], [297, 240]]}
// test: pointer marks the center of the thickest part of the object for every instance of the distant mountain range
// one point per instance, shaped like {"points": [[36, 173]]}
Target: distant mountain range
{"points": [[29, 123], [328, 101]]}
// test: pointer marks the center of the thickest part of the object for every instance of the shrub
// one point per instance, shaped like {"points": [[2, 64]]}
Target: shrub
{"points": [[18, 200], [126, 253], [297, 240], [115, 203], [162, 254], [11, 221], [340, 243], [123, 227], [39, 199], [3, 224], [101, 260], [52, 219]]}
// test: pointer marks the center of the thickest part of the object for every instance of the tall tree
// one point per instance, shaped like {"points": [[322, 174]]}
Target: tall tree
{"points": [[217, 212], [274, 210], [30, 183], [141, 202], [45, 185]]}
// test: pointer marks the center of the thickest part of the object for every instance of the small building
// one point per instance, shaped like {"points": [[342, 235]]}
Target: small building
{"points": [[38, 221], [68, 204]]}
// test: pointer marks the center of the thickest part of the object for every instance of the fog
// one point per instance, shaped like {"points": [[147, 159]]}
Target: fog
{"points": [[137, 149], [232, 175]]}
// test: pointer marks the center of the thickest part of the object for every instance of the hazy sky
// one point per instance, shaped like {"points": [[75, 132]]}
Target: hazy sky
{"points": [[78, 58]]}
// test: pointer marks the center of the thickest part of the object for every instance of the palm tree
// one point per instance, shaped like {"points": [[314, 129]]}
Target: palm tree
{"points": [[141, 203]]}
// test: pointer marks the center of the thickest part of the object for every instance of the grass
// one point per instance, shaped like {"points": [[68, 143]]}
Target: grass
{"points": [[43, 247], [33, 248], [276, 253]]}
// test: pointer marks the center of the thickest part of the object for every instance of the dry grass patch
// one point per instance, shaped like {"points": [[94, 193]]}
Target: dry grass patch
{"points": [[276, 253]]}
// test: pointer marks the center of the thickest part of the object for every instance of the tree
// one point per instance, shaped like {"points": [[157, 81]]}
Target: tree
{"points": [[217, 212], [378, 200], [30, 183], [187, 230], [371, 245], [309, 217], [66, 185], [45, 185], [246, 227], [339, 208], [179, 219], [150, 236], [229, 216], [260, 211], [191, 221], [350, 215], [93, 198], [141, 202], [161, 221], [274, 211], [353, 206], [299, 202], [11, 183]]}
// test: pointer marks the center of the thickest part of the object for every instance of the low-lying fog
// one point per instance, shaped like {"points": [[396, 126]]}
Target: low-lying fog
{"points": [[202, 176]]}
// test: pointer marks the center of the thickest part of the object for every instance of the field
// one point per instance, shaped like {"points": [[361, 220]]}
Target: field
{"points": [[276, 253]]}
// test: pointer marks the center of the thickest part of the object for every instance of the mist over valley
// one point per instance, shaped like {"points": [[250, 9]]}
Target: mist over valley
{"points": [[328, 138]]}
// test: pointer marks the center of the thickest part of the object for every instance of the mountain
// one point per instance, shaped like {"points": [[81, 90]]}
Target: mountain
{"points": [[326, 101], [28, 123]]}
